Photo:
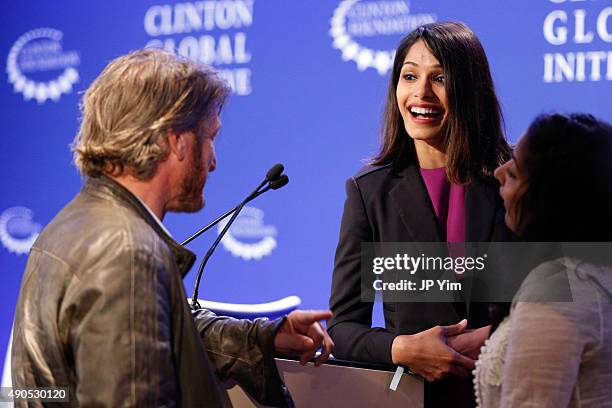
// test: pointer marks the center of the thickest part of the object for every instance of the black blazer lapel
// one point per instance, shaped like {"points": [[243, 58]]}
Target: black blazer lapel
{"points": [[410, 200], [408, 196]]}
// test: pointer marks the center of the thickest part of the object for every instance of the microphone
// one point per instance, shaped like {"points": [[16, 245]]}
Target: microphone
{"points": [[275, 180], [275, 172], [281, 182], [274, 184]]}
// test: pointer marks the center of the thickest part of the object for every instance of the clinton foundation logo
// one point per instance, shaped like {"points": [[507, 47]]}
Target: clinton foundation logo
{"points": [[248, 237], [367, 32], [39, 68], [18, 231]]}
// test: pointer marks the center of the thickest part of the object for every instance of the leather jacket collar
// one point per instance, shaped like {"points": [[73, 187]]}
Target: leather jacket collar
{"points": [[105, 187]]}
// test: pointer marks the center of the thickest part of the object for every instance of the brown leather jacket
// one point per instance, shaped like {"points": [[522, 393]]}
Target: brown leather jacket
{"points": [[102, 310]]}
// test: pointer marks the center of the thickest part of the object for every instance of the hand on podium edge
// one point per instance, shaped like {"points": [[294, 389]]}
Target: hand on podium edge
{"points": [[302, 335]]}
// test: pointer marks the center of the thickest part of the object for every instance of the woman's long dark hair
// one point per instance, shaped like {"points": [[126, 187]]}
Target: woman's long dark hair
{"points": [[567, 160], [474, 143], [568, 163]]}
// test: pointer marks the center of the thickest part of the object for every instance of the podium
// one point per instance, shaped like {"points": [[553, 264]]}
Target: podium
{"points": [[339, 384]]}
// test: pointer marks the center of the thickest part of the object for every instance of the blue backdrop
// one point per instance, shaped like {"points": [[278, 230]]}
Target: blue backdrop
{"points": [[309, 81]]}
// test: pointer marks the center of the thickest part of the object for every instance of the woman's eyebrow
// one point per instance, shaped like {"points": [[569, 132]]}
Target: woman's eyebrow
{"points": [[416, 65]]}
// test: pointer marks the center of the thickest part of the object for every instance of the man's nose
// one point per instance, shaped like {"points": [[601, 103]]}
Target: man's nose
{"points": [[213, 163]]}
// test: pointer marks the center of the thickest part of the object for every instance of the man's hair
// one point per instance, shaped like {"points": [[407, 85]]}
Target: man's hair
{"points": [[474, 140], [129, 108]]}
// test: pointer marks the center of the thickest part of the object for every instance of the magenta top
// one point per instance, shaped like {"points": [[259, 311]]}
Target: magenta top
{"points": [[448, 203]]}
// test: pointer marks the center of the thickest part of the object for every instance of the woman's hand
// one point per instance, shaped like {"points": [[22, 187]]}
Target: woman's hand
{"points": [[469, 342], [428, 355]]}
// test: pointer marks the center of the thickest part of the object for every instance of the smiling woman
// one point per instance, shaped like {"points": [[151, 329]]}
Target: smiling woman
{"points": [[430, 181], [423, 104], [443, 67]]}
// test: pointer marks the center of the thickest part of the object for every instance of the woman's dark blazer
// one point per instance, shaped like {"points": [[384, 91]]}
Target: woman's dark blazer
{"points": [[391, 204]]}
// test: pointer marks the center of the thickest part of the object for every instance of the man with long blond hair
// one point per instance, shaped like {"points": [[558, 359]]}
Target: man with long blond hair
{"points": [[102, 308]]}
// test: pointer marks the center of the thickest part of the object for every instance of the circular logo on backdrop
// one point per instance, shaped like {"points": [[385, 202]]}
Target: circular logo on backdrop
{"points": [[361, 30], [248, 237], [17, 230], [39, 68]]}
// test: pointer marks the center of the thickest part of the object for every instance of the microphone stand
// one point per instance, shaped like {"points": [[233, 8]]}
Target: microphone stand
{"points": [[275, 181]]}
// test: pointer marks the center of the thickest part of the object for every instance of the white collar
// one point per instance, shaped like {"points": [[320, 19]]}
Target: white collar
{"points": [[154, 217]]}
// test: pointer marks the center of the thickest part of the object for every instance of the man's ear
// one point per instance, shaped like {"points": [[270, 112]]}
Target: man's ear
{"points": [[177, 144]]}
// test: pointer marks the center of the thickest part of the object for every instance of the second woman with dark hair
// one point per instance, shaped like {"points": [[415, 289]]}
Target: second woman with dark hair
{"points": [[555, 347], [431, 181]]}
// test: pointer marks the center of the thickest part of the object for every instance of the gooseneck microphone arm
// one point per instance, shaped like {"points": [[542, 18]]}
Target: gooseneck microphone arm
{"points": [[275, 180], [274, 185], [209, 226]]}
